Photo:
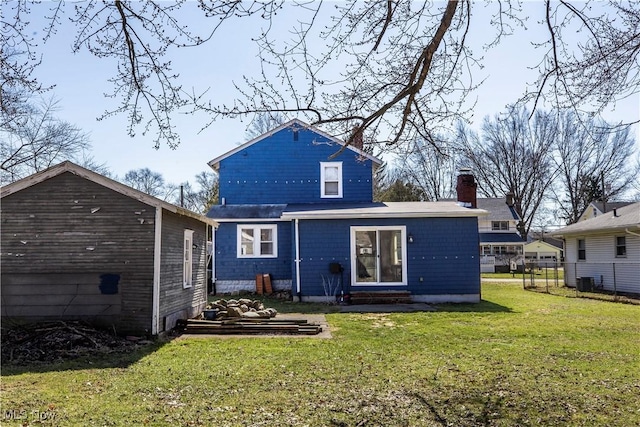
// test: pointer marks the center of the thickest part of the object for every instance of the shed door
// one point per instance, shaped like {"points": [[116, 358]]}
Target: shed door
{"points": [[378, 255]]}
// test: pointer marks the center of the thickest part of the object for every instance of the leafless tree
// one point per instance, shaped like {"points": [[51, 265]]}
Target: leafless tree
{"points": [[149, 182], [263, 123], [430, 169], [588, 152], [201, 197], [590, 72], [513, 155], [37, 141], [389, 70]]}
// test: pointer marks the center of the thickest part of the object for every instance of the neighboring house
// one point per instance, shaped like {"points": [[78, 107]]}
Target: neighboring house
{"points": [[598, 208], [604, 250], [500, 243], [78, 245], [296, 203], [543, 254], [501, 247]]}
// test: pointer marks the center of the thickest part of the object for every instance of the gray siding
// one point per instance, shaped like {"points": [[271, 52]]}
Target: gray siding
{"points": [[176, 301], [61, 236]]}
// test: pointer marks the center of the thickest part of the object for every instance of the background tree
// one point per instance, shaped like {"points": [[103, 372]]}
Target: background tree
{"points": [[263, 123], [204, 195], [513, 155], [431, 170], [149, 182], [587, 152], [38, 140], [391, 186], [406, 68]]}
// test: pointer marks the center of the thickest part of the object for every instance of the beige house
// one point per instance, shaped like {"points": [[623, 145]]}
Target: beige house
{"points": [[542, 253]]}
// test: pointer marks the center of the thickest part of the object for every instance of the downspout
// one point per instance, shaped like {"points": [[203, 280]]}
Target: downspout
{"points": [[631, 232], [297, 260], [213, 259], [157, 254]]}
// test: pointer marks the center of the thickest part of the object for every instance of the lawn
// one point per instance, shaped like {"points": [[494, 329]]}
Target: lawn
{"points": [[518, 358]]}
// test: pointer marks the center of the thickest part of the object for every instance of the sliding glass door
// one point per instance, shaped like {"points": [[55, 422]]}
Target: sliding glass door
{"points": [[378, 255]]}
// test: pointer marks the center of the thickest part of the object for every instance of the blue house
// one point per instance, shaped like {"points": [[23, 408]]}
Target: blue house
{"points": [[297, 204]]}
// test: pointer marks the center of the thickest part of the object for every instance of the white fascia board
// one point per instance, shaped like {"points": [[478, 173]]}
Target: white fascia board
{"points": [[381, 214], [252, 220]]}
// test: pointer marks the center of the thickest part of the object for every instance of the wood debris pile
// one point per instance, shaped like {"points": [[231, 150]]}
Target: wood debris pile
{"points": [[59, 341], [241, 326]]}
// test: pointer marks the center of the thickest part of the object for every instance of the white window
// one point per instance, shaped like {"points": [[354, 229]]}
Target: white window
{"points": [[187, 269], [257, 241], [331, 179], [499, 225], [378, 254]]}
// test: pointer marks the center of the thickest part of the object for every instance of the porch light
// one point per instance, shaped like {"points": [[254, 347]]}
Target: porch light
{"points": [[410, 238]]}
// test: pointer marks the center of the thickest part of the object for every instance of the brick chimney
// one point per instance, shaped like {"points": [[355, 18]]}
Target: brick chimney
{"points": [[358, 140], [509, 199], [466, 189]]}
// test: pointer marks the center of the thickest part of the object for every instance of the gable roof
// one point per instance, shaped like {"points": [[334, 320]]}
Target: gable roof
{"points": [[102, 180], [537, 245], [626, 218], [215, 163], [600, 206], [497, 208]]}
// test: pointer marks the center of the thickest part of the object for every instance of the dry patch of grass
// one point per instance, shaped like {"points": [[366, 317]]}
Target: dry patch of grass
{"points": [[518, 358]]}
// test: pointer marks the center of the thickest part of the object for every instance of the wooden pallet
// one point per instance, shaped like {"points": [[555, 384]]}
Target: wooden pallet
{"points": [[249, 326]]}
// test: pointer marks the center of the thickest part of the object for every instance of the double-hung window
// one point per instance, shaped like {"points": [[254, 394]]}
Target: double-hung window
{"points": [[582, 250], [499, 225], [257, 241], [330, 180], [621, 246], [187, 266]]}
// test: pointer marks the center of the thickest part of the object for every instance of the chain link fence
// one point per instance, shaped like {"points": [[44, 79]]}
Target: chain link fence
{"points": [[614, 281]]}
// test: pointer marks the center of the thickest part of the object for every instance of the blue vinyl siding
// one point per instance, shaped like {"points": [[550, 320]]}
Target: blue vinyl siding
{"points": [[279, 170], [230, 267], [444, 254]]}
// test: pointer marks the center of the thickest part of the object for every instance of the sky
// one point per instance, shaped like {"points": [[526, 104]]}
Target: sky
{"points": [[81, 80]]}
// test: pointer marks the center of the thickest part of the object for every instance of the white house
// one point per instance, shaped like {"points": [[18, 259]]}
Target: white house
{"points": [[604, 250], [500, 244], [598, 208]]}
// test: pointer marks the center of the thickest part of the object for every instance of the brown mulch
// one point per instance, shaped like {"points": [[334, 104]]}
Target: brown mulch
{"points": [[60, 341]]}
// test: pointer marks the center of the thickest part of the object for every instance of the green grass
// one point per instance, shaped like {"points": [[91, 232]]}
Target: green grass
{"points": [[518, 358]]}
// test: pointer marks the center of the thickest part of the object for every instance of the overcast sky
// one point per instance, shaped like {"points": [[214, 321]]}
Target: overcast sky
{"points": [[81, 81]]}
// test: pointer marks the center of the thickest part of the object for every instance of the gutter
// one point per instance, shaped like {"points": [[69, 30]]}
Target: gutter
{"points": [[631, 232]]}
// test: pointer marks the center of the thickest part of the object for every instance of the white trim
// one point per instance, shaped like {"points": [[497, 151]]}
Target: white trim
{"points": [[323, 180], [352, 244], [251, 220], [257, 253], [187, 259], [157, 263], [390, 210]]}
